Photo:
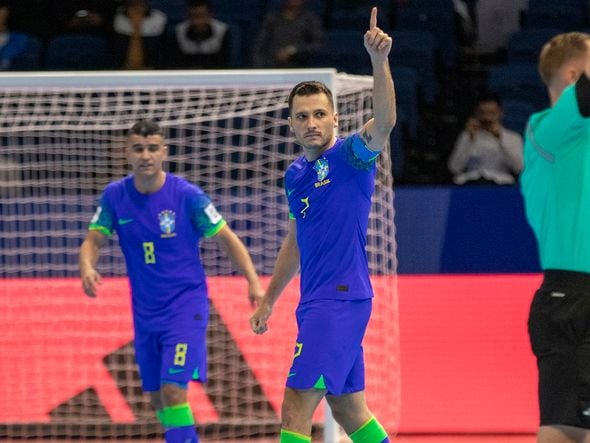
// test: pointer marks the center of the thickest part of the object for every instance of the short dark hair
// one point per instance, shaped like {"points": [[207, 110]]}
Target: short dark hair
{"points": [[489, 96], [197, 3], [309, 87], [145, 128]]}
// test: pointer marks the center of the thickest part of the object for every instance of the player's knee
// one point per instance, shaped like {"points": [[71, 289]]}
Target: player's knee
{"points": [[173, 394], [299, 406]]}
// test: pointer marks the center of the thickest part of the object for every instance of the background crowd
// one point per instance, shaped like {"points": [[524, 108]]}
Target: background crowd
{"points": [[448, 56]]}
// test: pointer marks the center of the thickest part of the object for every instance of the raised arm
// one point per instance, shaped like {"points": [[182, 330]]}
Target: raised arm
{"points": [[89, 254], [240, 257], [375, 132], [286, 266]]}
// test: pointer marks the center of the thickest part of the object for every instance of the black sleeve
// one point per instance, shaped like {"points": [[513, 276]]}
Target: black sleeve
{"points": [[583, 95]]}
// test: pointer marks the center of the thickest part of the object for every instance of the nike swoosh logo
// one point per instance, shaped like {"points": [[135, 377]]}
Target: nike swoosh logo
{"points": [[124, 221], [291, 374], [175, 370], [289, 192]]}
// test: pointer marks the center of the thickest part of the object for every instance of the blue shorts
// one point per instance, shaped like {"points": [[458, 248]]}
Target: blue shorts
{"points": [[175, 356], [328, 350]]}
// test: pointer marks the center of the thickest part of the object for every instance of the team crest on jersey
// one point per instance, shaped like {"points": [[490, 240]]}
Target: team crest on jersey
{"points": [[167, 223], [321, 168]]}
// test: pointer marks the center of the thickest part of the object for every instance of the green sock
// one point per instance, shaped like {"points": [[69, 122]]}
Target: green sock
{"points": [[160, 416], [370, 432], [178, 416], [294, 437]]}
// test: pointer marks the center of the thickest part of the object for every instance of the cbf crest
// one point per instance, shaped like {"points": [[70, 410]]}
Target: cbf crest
{"points": [[167, 223], [321, 168]]}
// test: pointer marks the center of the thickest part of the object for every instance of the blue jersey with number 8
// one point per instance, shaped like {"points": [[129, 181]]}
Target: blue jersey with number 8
{"points": [[159, 235]]}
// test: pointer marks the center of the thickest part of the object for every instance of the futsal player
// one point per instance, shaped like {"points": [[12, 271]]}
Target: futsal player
{"points": [[329, 192], [159, 219], [556, 188]]}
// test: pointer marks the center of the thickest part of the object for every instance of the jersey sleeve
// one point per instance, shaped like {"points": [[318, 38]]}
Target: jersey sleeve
{"points": [[563, 124], [102, 220], [358, 155], [204, 216]]}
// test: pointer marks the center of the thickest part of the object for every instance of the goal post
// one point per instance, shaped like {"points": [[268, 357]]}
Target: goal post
{"points": [[68, 369]]}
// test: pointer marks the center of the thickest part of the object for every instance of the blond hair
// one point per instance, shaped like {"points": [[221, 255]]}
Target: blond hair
{"points": [[560, 50]]}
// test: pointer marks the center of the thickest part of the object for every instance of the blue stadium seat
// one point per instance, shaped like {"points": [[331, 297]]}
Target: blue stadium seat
{"points": [[354, 15], [238, 10], [519, 81], [30, 60], [524, 46], [175, 10], [517, 113], [442, 4], [567, 15], [436, 20], [406, 93], [77, 52], [343, 50], [416, 49]]}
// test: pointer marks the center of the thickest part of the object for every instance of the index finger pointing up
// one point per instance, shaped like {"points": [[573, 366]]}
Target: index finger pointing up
{"points": [[373, 21]]}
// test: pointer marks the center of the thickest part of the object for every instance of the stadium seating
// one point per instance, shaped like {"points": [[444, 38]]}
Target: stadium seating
{"points": [[525, 45], [406, 92], [517, 113], [567, 15], [518, 81], [439, 20], [416, 49], [175, 10], [31, 59], [77, 52]]}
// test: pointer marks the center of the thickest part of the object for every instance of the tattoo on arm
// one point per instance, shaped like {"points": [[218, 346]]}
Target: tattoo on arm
{"points": [[366, 136]]}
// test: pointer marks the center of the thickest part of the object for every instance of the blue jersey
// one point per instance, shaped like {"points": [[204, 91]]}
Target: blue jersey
{"points": [[330, 200], [159, 235]]}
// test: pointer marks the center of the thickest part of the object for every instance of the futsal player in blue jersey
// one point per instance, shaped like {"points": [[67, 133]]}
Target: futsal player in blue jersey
{"points": [[329, 192], [159, 219], [556, 188]]}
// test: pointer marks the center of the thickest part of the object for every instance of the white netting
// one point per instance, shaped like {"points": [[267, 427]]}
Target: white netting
{"points": [[68, 369]]}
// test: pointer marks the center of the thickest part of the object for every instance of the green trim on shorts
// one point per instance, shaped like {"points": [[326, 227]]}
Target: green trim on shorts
{"points": [[320, 384], [294, 437], [178, 416], [370, 432]]}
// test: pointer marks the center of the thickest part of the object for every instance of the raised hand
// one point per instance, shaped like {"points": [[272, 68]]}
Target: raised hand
{"points": [[377, 42]]}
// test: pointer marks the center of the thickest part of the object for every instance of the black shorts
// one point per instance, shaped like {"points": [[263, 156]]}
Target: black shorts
{"points": [[559, 330]]}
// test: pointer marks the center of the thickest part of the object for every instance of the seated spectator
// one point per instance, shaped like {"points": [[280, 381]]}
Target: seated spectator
{"points": [[86, 16], [200, 41], [288, 37], [12, 44], [138, 35], [485, 151]]}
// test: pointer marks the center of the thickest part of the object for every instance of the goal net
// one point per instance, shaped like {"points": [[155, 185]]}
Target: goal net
{"points": [[67, 369]]}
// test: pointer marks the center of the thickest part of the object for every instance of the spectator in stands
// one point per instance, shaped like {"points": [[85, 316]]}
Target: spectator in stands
{"points": [[485, 151], [200, 41], [288, 37], [138, 35], [12, 44], [495, 22], [87, 16]]}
